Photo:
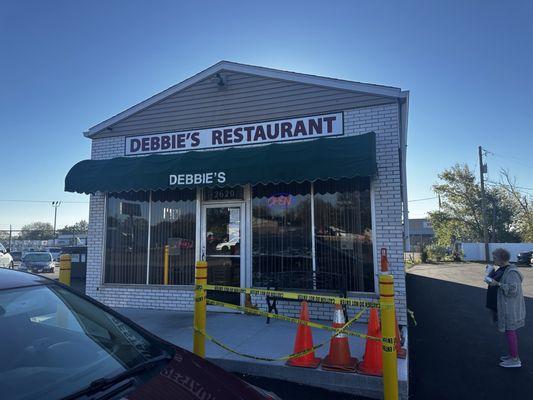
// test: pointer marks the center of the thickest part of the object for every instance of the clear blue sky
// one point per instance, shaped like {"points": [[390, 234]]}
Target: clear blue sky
{"points": [[67, 65]]}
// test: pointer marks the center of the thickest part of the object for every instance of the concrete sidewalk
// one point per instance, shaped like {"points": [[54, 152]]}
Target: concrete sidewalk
{"points": [[251, 335]]}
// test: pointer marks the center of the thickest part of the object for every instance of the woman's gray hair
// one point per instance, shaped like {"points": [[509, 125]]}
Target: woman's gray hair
{"points": [[501, 254]]}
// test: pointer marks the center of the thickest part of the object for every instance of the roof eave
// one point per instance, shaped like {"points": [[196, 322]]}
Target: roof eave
{"points": [[387, 91]]}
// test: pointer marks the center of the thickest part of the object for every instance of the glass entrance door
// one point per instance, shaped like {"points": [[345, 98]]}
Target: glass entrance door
{"points": [[222, 244]]}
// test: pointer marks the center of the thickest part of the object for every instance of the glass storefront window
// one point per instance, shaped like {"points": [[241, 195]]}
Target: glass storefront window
{"points": [[173, 223], [281, 242], [343, 232], [281, 234], [126, 237]]}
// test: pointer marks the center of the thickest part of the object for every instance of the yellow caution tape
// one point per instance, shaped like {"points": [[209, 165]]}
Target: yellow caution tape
{"points": [[294, 296], [299, 321], [284, 358], [225, 347]]}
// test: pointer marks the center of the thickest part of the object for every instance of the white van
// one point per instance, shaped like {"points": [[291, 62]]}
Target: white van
{"points": [[6, 261]]}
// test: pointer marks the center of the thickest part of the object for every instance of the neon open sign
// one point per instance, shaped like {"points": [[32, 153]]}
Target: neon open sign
{"points": [[280, 199]]}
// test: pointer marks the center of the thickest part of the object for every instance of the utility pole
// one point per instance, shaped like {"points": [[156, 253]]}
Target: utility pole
{"points": [[55, 204], [10, 233], [494, 239], [483, 170]]}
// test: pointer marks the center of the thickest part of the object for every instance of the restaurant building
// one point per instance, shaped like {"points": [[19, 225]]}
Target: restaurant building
{"points": [[277, 179]]}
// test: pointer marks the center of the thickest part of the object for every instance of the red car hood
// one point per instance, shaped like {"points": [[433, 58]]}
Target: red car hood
{"points": [[188, 376]]}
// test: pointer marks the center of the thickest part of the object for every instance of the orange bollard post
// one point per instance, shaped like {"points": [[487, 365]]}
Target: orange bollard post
{"points": [[384, 260]]}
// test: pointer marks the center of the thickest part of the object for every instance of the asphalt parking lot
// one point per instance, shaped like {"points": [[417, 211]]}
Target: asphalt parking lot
{"points": [[471, 274], [454, 349]]}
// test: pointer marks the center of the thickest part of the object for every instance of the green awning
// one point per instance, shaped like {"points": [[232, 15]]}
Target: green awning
{"points": [[319, 159]]}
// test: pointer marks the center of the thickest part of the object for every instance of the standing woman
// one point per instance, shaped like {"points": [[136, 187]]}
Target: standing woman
{"points": [[506, 301]]}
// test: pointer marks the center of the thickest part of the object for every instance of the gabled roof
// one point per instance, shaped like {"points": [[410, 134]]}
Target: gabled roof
{"points": [[386, 91]]}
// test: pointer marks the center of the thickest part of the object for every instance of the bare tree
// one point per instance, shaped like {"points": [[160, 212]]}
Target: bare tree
{"points": [[523, 206]]}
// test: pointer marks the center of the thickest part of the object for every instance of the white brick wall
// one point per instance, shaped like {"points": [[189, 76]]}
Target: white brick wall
{"points": [[105, 148], [383, 120], [95, 242]]}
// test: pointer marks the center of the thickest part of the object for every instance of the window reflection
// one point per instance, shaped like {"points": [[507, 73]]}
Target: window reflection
{"points": [[223, 231], [281, 236], [126, 237], [343, 232], [223, 236], [173, 223], [281, 231]]}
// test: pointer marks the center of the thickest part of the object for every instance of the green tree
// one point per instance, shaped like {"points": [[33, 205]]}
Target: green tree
{"points": [[37, 231], [460, 219], [447, 228], [4, 236], [78, 227]]}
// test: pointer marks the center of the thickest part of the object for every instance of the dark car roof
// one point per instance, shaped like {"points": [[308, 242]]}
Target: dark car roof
{"points": [[10, 279]]}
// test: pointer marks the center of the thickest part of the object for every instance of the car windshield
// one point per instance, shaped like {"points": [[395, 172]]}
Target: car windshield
{"points": [[38, 257], [61, 342]]}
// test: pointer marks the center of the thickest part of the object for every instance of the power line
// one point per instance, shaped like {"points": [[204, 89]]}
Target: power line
{"points": [[508, 158], [40, 201], [498, 184]]}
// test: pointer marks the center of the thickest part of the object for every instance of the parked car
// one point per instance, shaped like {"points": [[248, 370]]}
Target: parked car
{"points": [[6, 260], [38, 261], [59, 344], [229, 245], [524, 258]]}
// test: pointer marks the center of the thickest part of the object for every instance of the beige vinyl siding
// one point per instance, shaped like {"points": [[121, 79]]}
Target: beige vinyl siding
{"points": [[246, 98]]}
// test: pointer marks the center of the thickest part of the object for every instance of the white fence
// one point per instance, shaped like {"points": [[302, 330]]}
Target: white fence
{"points": [[476, 251]]}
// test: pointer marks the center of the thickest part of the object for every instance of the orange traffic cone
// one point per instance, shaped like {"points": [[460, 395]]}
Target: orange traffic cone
{"points": [[400, 351], [304, 341], [372, 363], [339, 358]]}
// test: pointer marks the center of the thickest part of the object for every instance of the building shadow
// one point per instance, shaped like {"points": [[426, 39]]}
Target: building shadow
{"points": [[454, 348]]}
